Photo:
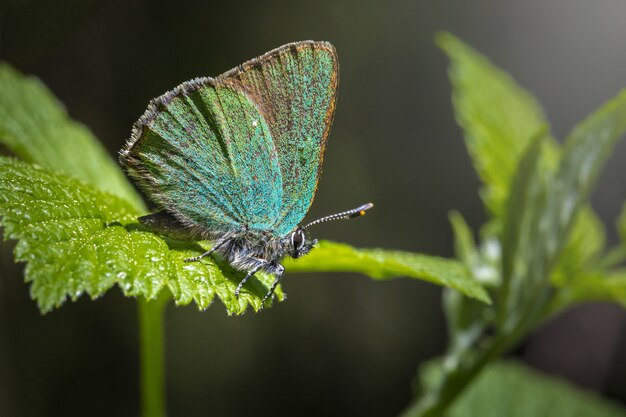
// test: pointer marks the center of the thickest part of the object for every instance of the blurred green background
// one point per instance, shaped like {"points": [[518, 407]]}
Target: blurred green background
{"points": [[342, 344]]}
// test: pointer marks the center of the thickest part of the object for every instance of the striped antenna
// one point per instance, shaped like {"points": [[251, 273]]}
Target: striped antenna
{"points": [[350, 214]]}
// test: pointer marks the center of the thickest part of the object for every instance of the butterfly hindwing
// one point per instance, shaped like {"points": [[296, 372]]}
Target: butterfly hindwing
{"points": [[205, 154], [295, 88]]}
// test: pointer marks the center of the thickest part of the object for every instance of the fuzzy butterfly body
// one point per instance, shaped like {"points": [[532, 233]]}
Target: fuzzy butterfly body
{"points": [[237, 158]]}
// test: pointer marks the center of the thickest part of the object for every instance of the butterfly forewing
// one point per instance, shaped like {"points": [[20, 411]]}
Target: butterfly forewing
{"points": [[295, 88]]}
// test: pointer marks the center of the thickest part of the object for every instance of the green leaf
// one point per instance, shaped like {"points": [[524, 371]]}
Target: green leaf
{"points": [[77, 240], [548, 235], [512, 390], [522, 269], [589, 287], [384, 264], [464, 245], [582, 250], [483, 262], [540, 221], [35, 127], [621, 225], [585, 151], [465, 317], [498, 117]]}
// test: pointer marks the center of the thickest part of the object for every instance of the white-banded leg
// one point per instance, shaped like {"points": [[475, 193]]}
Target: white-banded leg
{"points": [[213, 249], [279, 274], [247, 277]]}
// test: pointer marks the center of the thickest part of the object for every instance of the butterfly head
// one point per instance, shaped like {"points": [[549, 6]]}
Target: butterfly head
{"points": [[299, 243]]}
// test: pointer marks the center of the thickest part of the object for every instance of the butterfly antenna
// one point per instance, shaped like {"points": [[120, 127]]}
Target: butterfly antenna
{"points": [[350, 214]]}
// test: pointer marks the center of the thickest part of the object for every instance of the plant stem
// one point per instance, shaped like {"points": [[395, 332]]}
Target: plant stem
{"points": [[435, 402], [152, 377]]}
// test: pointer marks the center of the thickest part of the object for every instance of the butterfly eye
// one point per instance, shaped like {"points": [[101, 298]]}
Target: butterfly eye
{"points": [[297, 239]]}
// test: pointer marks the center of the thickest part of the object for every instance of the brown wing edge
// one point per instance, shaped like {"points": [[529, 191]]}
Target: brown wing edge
{"points": [[153, 109]]}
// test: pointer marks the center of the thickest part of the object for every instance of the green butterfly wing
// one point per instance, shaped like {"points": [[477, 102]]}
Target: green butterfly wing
{"points": [[204, 153], [242, 149], [295, 88]]}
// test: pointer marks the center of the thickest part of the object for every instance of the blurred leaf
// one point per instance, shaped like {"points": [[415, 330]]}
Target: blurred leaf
{"points": [[594, 286], [35, 127], [512, 390], [79, 240], [467, 321], [621, 225], [384, 264], [483, 263], [464, 246], [582, 250], [538, 227], [465, 317], [522, 269], [548, 234], [585, 151], [498, 117]]}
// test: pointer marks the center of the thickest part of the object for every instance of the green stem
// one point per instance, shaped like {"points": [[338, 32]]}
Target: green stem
{"points": [[152, 356], [435, 402]]}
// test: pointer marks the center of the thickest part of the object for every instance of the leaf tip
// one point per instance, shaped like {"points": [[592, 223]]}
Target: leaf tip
{"points": [[446, 40], [484, 297]]}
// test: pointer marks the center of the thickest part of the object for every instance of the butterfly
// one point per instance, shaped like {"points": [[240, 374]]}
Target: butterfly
{"points": [[236, 159]]}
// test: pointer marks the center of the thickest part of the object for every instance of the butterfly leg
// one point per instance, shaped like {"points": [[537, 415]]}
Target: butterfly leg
{"points": [[279, 274], [213, 249], [247, 277]]}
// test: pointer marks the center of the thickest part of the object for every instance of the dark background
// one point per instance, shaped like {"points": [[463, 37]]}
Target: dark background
{"points": [[342, 344]]}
